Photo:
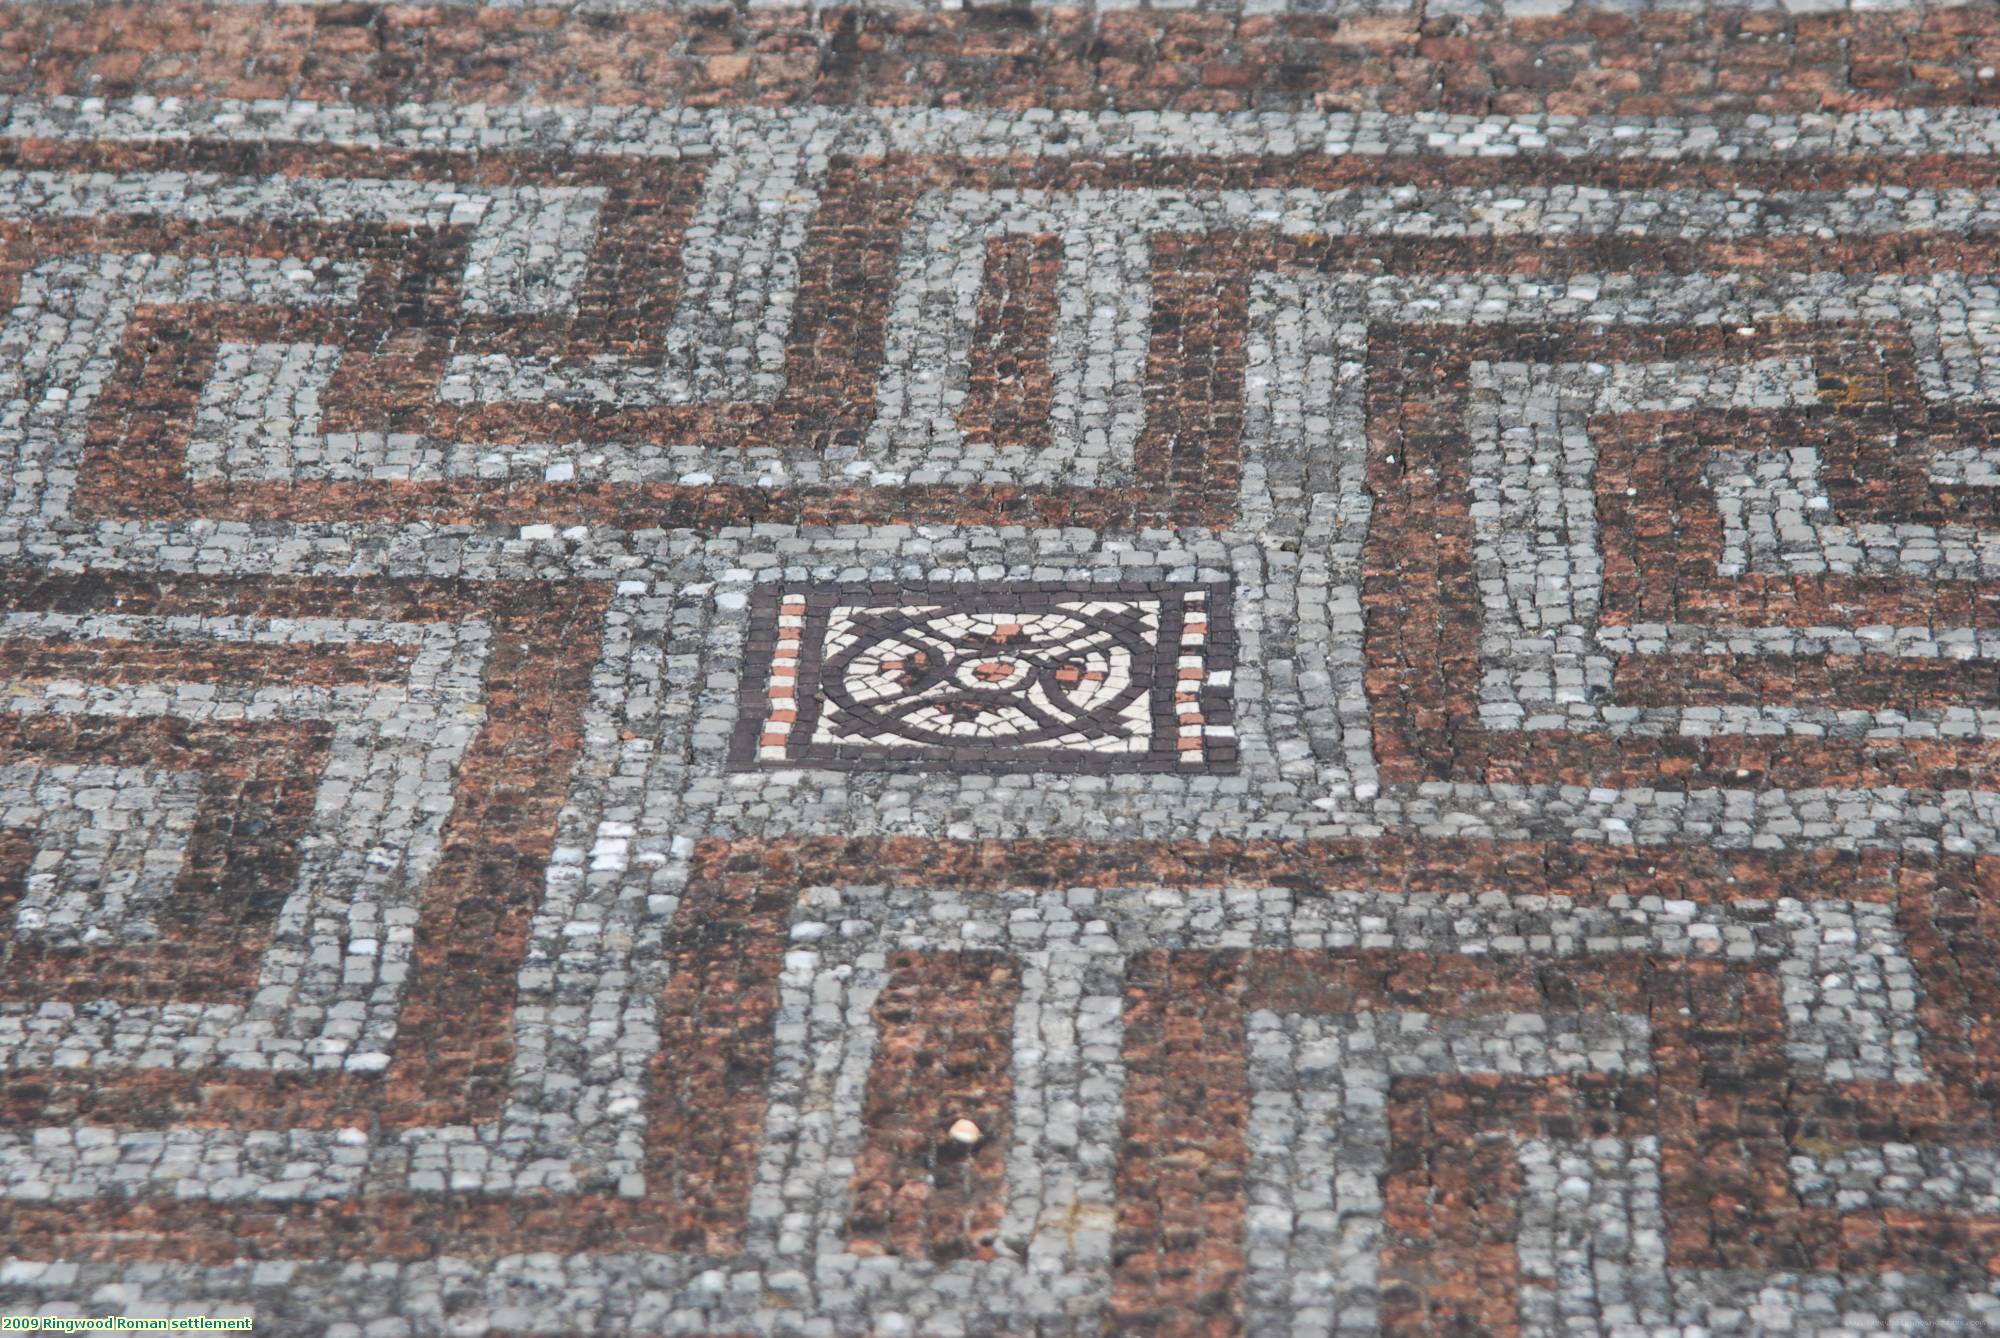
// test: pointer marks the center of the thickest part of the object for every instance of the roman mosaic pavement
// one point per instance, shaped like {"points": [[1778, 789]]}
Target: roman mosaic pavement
{"points": [[1298, 667]]}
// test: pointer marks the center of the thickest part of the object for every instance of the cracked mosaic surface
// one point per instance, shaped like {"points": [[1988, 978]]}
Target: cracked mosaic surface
{"points": [[1176, 669]]}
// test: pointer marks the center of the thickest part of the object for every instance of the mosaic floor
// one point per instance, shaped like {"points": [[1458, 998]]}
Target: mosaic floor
{"points": [[1284, 668]]}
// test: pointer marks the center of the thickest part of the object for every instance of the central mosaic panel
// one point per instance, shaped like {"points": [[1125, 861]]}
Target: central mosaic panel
{"points": [[1001, 677]]}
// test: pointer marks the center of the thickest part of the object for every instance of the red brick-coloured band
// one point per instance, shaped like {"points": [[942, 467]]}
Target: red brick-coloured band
{"points": [[1661, 63], [1178, 1241], [944, 1053], [1009, 386]]}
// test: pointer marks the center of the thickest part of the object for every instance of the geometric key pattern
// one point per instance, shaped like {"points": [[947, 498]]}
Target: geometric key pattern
{"points": [[1268, 668]]}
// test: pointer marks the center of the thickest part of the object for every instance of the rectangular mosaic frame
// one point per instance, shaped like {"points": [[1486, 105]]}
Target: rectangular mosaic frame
{"points": [[766, 681]]}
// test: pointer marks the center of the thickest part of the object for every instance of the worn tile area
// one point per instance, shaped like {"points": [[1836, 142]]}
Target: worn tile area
{"points": [[1242, 667]]}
